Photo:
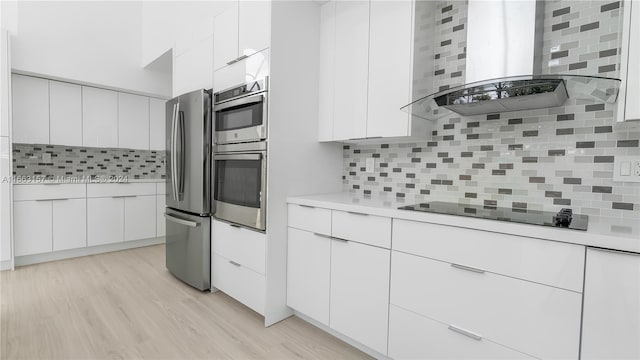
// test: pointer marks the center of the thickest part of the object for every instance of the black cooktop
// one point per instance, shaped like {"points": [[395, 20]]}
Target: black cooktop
{"points": [[562, 219]]}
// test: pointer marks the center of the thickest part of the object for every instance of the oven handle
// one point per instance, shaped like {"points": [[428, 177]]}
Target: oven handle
{"points": [[254, 99], [238, 157]]}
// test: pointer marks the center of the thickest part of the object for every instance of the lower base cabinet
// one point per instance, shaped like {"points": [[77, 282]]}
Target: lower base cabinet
{"points": [[239, 282], [140, 217], [32, 221], [161, 225], [413, 336], [105, 221], [69, 224], [611, 319], [359, 301]]}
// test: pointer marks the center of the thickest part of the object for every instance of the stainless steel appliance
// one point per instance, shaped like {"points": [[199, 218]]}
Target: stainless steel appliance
{"points": [[189, 204], [240, 176], [241, 113]]}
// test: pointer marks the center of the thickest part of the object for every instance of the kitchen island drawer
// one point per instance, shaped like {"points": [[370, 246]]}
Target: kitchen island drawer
{"points": [[412, 336], [546, 262], [239, 282], [239, 244], [310, 218], [362, 228], [536, 319]]}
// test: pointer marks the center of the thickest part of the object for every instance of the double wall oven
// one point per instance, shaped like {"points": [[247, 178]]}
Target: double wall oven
{"points": [[240, 160]]}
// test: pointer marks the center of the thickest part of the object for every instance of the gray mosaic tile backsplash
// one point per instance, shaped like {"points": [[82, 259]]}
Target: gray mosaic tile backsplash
{"points": [[72, 161], [541, 159]]}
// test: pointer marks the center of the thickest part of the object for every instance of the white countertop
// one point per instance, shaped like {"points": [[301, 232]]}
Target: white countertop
{"points": [[610, 233], [132, 181]]}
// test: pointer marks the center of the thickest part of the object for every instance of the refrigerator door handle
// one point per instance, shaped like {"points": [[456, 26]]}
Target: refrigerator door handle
{"points": [[181, 160], [181, 221], [174, 190]]}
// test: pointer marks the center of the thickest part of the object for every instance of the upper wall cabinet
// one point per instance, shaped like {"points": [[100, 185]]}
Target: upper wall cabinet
{"points": [[30, 98], [156, 124], [365, 70], [240, 31], [192, 69], [99, 117], [629, 107], [65, 113], [133, 121]]}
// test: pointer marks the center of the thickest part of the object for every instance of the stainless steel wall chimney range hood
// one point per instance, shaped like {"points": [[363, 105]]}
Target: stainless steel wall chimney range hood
{"points": [[504, 66]]}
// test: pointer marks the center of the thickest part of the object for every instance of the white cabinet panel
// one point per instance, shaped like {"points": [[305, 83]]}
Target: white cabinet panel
{"points": [[105, 221], [65, 113], [310, 218], [308, 274], [225, 37], [351, 70], [161, 225], [133, 121], [5, 82], [244, 246], [192, 70], [157, 118], [389, 67], [611, 320], [536, 319], [327, 70], [140, 217], [412, 336], [363, 228], [30, 105], [254, 67], [32, 221], [360, 293], [5, 203], [629, 107], [69, 224], [254, 30], [47, 192], [239, 282], [99, 117], [123, 189]]}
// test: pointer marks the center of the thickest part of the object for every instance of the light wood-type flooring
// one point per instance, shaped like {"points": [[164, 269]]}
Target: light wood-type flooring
{"points": [[125, 305]]}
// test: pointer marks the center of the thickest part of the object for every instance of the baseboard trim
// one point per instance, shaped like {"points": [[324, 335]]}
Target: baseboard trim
{"points": [[365, 349], [5, 265], [91, 250]]}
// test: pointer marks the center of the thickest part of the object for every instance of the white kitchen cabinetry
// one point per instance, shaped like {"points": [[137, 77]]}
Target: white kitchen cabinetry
{"points": [[241, 31], [308, 273], [133, 121], [611, 320], [99, 117], [351, 70], [239, 282], [628, 106], [140, 217], [244, 246], [252, 68], [69, 224], [389, 85], [105, 220], [161, 225], [32, 221], [192, 70], [157, 125], [326, 71], [65, 113], [359, 300], [30, 105]]}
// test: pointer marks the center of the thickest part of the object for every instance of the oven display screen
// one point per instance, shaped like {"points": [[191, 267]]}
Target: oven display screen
{"points": [[238, 182], [240, 117]]}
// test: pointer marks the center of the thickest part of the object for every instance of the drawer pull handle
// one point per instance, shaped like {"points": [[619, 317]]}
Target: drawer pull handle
{"points": [[235, 226], [468, 268], [465, 333], [356, 213], [52, 199], [234, 263], [123, 196], [322, 235], [306, 206], [341, 240]]}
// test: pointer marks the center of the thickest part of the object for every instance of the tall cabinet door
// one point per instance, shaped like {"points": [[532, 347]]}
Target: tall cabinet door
{"points": [[611, 313], [65, 113], [105, 220], [389, 67], [133, 121], [156, 124], [140, 217], [254, 28], [225, 37], [30, 99], [351, 70], [99, 117], [327, 70], [69, 224], [32, 221], [359, 300]]}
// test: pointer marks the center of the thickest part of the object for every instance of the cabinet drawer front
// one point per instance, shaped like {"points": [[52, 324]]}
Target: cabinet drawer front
{"points": [[308, 274], [124, 189], [239, 282], [412, 336], [367, 229], [310, 218], [536, 319], [241, 245], [44, 192], [546, 262]]}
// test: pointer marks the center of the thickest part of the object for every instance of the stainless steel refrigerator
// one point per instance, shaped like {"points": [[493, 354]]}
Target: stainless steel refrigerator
{"points": [[189, 205]]}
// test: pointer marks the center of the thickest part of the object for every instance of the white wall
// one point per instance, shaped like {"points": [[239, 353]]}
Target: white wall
{"points": [[97, 42]]}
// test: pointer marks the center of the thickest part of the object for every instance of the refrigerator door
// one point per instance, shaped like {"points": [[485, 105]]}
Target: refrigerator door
{"points": [[188, 246], [188, 129]]}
